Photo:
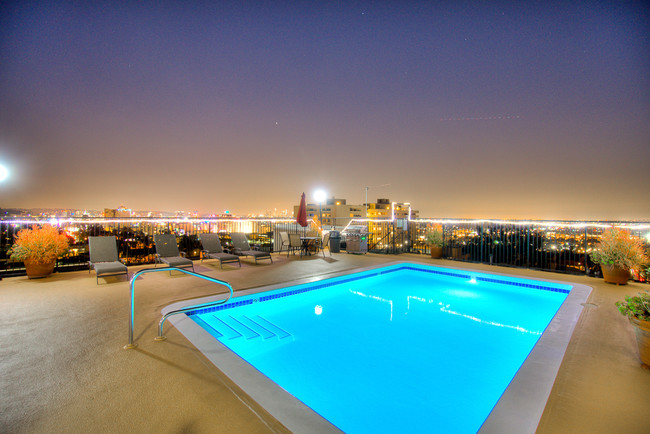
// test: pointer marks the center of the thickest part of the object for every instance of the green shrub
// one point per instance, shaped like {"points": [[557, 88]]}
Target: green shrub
{"points": [[636, 307]]}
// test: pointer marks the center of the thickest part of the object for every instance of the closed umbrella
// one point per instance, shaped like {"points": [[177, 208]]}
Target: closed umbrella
{"points": [[301, 218]]}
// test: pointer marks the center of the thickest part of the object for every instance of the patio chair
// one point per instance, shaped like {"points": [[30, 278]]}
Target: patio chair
{"points": [[167, 252], [242, 248], [284, 241], [104, 258], [212, 249], [295, 243], [326, 243]]}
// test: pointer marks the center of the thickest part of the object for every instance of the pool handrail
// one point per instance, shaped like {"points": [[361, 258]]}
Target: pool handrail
{"points": [[160, 337]]}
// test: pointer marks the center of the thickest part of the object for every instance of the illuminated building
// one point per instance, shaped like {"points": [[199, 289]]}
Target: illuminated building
{"points": [[118, 213], [336, 212], [385, 209]]}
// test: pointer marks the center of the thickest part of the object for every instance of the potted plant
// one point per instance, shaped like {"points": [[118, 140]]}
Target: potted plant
{"points": [[38, 248], [637, 309], [618, 252], [434, 239]]}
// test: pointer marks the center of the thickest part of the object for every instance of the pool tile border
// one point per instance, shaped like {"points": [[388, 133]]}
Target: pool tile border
{"points": [[364, 275]]}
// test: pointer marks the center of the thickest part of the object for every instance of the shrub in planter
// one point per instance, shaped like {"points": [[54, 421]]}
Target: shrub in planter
{"points": [[637, 309], [434, 239], [38, 248], [618, 252]]}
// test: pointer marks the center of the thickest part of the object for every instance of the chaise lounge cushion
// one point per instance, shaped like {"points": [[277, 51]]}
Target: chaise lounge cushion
{"points": [[116, 267], [177, 261], [255, 253]]}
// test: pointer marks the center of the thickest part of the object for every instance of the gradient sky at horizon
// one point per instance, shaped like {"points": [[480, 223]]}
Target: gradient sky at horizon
{"points": [[499, 110]]}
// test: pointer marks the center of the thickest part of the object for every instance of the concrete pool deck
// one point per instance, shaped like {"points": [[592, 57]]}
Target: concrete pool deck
{"points": [[64, 370]]}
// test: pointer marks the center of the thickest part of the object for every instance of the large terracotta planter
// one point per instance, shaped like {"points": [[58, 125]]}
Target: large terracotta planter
{"points": [[642, 331], [614, 274], [436, 252], [37, 270]]}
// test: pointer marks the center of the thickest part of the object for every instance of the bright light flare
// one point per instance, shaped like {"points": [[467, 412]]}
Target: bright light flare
{"points": [[320, 195], [4, 173]]}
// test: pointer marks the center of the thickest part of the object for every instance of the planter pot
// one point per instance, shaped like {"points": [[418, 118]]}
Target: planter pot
{"points": [[38, 270], [642, 331], [614, 274], [436, 252]]}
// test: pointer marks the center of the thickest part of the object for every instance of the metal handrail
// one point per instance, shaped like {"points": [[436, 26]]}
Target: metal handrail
{"points": [[160, 337]]}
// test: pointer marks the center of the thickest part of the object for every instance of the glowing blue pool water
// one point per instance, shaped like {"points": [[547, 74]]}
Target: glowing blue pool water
{"points": [[405, 348]]}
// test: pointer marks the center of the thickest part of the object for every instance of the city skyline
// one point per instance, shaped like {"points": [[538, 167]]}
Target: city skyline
{"points": [[470, 111]]}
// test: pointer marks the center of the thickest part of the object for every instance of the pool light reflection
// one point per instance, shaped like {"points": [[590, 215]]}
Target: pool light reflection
{"points": [[445, 308]]}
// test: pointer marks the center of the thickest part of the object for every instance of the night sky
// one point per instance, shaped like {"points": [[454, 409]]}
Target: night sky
{"points": [[499, 110]]}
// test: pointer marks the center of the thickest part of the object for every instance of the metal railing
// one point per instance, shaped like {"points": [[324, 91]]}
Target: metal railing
{"points": [[551, 246], [562, 246], [160, 336], [135, 237]]}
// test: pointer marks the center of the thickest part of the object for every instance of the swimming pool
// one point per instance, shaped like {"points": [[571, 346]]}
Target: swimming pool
{"points": [[405, 347]]}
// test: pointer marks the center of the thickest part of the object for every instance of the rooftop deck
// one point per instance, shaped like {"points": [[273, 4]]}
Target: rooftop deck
{"points": [[64, 369]]}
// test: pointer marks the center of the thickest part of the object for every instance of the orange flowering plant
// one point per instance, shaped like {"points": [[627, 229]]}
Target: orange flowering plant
{"points": [[619, 248], [41, 245]]}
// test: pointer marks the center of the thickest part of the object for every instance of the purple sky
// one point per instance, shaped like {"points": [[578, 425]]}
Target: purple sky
{"points": [[500, 110]]}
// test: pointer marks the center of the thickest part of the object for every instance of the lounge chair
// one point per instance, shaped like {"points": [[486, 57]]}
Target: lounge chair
{"points": [[212, 249], [167, 252], [242, 248], [104, 258]]}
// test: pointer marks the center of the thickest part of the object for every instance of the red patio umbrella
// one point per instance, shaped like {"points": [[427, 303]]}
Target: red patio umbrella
{"points": [[301, 218]]}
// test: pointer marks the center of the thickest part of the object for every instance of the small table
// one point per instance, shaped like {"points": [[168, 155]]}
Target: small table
{"points": [[306, 241]]}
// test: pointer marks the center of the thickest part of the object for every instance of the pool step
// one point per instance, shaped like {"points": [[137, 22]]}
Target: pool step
{"points": [[223, 329], [279, 332], [231, 327]]}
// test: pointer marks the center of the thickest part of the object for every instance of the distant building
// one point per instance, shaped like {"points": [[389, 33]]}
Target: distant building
{"points": [[379, 210], [284, 213], [384, 208], [117, 213], [335, 212]]}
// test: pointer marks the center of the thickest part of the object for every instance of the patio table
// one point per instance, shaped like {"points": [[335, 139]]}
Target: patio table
{"points": [[306, 242]]}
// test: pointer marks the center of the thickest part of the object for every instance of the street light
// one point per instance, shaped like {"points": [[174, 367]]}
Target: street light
{"points": [[320, 196]]}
